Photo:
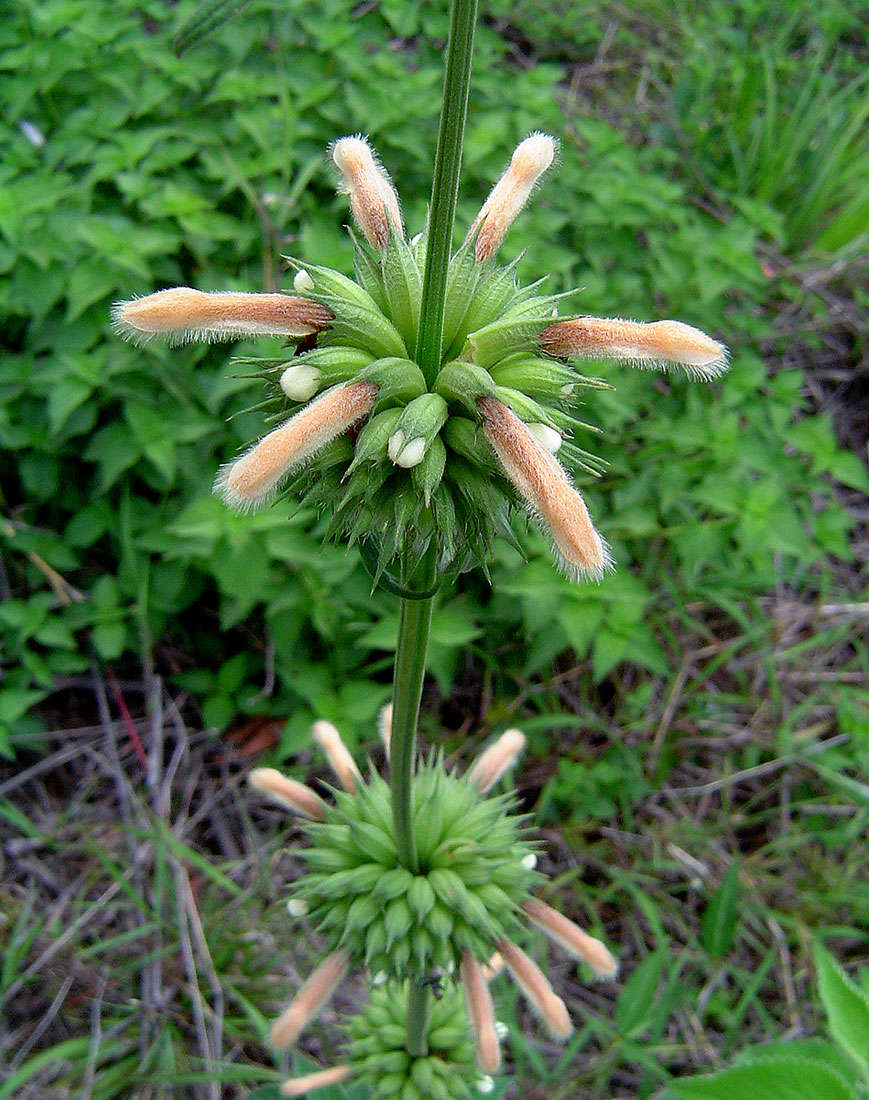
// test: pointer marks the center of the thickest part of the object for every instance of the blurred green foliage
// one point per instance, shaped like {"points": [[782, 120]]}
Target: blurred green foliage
{"points": [[126, 168]]}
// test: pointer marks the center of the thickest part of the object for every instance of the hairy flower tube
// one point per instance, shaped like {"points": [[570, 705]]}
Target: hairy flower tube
{"points": [[397, 458], [456, 920]]}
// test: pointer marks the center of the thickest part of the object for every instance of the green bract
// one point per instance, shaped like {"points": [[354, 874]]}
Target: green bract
{"points": [[378, 1053], [473, 875], [420, 467]]}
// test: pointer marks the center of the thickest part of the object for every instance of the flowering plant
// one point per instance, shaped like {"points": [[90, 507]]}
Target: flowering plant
{"points": [[428, 399]]}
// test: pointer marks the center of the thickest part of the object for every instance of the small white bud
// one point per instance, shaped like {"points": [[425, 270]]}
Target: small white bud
{"points": [[485, 1085], [296, 907], [393, 447], [300, 381], [412, 453], [501, 1030], [379, 978], [416, 239], [547, 437], [529, 862], [302, 282]]}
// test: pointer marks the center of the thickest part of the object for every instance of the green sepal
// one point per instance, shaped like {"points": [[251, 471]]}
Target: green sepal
{"points": [[462, 278], [403, 288], [424, 416], [398, 920], [462, 383], [496, 288], [368, 273], [489, 345], [421, 897], [336, 362], [467, 438], [399, 381], [535, 376], [393, 884], [529, 410], [333, 285], [373, 438], [363, 327], [426, 475], [583, 460]]}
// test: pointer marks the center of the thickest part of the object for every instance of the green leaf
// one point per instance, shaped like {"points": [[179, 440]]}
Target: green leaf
{"points": [[638, 994], [768, 1079], [208, 16], [846, 1005], [719, 919]]}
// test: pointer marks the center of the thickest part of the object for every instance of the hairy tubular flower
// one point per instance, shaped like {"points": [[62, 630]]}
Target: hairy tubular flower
{"points": [[545, 486], [298, 1086], [250, 480], [530, 160], [384, 727], [288, 792], [576, 942], [310, 999], [492, 764], [337, 753], [658, 344], [481, 1013], [537, 990], [183, 314], [372, 197]]}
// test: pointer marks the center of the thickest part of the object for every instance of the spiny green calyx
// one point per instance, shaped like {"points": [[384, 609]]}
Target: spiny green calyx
{"points": [[377, 1048], [419, 467], [475, 873]]}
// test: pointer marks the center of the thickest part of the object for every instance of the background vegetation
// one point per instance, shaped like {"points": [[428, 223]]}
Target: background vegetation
{"points": [[699, 723]]}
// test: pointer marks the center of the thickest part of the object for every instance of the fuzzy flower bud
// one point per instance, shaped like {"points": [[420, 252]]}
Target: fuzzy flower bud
{"points": [[288, 792], [576, 942], [372, 197], [658, 344], [298, 1086], [310, 999], [497, 759], [250, 481], [337, 753], [530, 160], [539, 478], [181, 314], [300, 381], [481, 1014], [537, 990]]}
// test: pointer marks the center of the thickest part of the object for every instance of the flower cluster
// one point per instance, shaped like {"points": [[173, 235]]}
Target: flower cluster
{"points": [[457, 919], [397, 459]]}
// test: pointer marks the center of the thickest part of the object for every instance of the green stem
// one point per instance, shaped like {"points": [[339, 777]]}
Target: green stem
{"points": [[418, 1013], [415, 615], [414, 622], [445, 187]]}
